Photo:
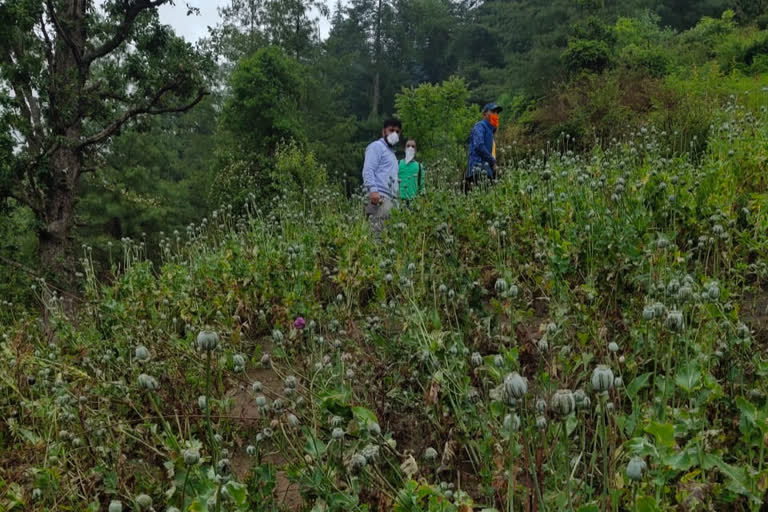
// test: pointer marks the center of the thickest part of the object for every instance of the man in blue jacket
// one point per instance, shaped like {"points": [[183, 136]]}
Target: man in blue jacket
{"points": [[380, 177], [482, 149]]}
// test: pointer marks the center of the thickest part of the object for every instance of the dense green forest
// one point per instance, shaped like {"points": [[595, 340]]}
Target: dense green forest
{"points": [[195, 315], [273, 90]]}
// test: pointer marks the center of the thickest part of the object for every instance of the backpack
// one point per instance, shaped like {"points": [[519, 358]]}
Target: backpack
{"points": [[420, 174]]}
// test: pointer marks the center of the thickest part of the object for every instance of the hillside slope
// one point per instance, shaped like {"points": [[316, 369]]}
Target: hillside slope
{"points": [[587, 333]]}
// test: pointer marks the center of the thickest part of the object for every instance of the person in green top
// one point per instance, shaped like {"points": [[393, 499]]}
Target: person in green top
{"points": [[411, 173]]}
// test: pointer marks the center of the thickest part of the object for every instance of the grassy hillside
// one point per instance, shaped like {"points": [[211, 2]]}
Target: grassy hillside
{"points": [[587, 335]]}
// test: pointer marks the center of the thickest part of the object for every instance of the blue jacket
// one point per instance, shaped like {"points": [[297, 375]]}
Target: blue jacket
{"points": [[380, 169], [480, 148]]}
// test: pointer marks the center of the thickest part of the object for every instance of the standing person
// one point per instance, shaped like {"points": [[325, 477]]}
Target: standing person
{"points": [[380, 175], [482, 148], [411, 173]]}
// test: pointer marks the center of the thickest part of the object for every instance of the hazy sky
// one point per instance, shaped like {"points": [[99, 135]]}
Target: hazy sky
{"points": [[194, 27], [191, 27]]}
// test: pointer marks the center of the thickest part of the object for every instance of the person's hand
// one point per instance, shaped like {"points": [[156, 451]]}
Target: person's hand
{"points": [[374, 198]]}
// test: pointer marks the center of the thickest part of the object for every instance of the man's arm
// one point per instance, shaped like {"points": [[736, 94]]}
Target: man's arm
{"points": [[478, 142], [369, 169]]}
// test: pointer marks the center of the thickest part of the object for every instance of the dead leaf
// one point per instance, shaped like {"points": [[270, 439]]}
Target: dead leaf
{"points": [[433, 393], [409, 466]]}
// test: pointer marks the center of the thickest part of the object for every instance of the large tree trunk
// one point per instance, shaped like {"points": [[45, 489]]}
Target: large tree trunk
{"points": [[55, 236], [58, 216]]}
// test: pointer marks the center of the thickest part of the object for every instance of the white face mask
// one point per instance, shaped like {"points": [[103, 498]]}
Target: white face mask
{"points": [[409, 154], [393, 138]]}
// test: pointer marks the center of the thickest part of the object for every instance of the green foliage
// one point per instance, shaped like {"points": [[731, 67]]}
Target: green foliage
{"points": [[437, 116], [18, 244], [413, 342], [261, 109], [297, 172], [653, 62], [156, 179], [587, 55]]}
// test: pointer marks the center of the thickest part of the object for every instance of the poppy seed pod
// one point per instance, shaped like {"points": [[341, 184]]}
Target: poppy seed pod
{"points": [[477, 359], [541, 406], [636, 469], [115, 506], [374, 429], [293, 421], [337, 433], [742, 331], [223, 467], [602, 378], [674, 321], [515, 386], [358, 462], [257, 387], [143, 501], [501, 285], [239, 362], [290, 382], [207, 340], [430, 454], [370, 452], [498, 360], [147, 382], [250, 450], [649, 313], [142, 354], [541, 422], [191, 457], [613, 347], [563, 402], [713, 291]]}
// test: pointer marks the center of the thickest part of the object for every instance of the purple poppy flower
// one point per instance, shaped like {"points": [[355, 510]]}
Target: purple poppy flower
{"points": [[299, 323]]}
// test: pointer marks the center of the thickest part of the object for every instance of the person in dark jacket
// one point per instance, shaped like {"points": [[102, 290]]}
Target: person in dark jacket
{"points": [[482, 148]]}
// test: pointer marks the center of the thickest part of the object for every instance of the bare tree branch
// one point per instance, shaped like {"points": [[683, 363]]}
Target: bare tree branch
{"points": [[19, 194], [48, 44], [149, 108], [123, 29], [64, 34]]}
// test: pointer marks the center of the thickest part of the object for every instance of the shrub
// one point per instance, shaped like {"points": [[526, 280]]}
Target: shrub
{"points": [[586, 54], [438, 117]]}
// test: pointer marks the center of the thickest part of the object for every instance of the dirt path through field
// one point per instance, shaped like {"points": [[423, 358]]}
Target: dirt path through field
{"points": [[286, 493]]}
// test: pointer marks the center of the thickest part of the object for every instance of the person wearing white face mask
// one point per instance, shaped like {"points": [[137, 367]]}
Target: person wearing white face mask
{"points": [[411, 173], [380, 175]]}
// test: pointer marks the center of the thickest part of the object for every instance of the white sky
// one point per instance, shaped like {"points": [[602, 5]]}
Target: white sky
{"points": [[194, 27]]}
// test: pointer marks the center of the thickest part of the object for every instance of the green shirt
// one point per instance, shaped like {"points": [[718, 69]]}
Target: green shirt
{"points": [[411, 177]]}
